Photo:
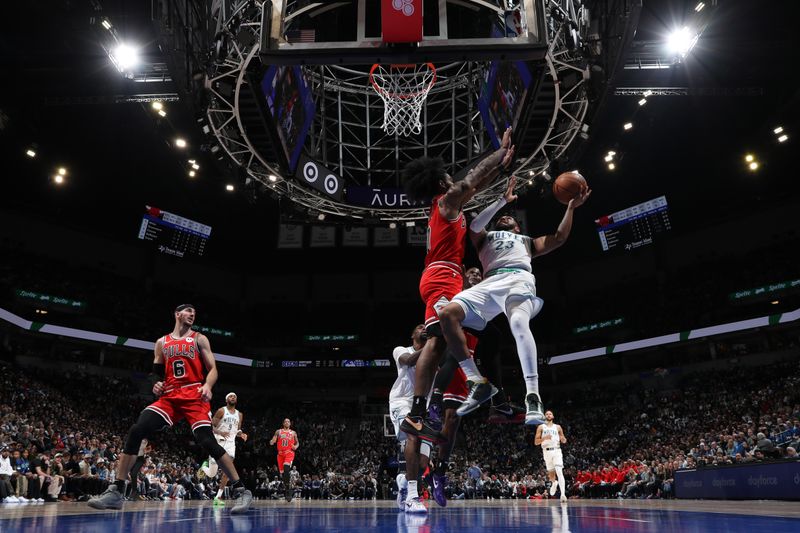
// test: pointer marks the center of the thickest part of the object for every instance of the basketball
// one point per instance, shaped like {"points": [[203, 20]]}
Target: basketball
{"points": [[568, 185]]}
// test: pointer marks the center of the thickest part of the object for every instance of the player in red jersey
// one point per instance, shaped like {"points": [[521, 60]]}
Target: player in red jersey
{"points": [[181, 357], [442, 279], [287, 441]]}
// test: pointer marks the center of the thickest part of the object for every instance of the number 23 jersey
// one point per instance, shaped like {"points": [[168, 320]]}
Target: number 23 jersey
{"points": [[505, 249], [182, 362]]}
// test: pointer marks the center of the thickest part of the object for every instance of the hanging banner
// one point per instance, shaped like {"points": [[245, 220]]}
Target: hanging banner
{"points": [[355, 237], [290, 236], [384, 237], [417, 235], [323, 236]]}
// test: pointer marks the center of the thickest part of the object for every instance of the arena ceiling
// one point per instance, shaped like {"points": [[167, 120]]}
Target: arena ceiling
{"points": [[61, 95]]}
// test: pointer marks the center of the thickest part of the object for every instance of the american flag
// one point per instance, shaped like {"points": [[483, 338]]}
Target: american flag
{"points": [[301, 36]]}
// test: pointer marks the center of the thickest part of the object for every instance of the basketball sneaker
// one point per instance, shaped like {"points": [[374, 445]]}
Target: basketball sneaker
{"points": [[479, 392], [434, 417], [553, 488], [401, 498], [415, 506], [289, 494], [534, 416], [563, 499], [218, 502], [439, 482], [242, 498], [416, 425], [506, 413], [110, 499]]}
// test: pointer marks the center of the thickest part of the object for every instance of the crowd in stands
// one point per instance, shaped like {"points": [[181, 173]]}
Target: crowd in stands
{"points": [[61, 435]]}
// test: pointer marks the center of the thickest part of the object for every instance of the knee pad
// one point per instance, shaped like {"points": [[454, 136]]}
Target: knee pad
{"points": [[147, 424], [205, 438]]}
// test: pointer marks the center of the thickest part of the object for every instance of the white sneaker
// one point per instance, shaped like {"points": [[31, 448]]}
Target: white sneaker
{"points": [[415, 506], [22, 499], [553, 488], [12, 499], [563, 499], [40, 500]]}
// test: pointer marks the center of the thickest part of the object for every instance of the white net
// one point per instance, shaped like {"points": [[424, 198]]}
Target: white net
{"points": [[403, 89]]}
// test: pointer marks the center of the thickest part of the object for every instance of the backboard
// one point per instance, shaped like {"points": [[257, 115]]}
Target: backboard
{"points": [[307, 32]]}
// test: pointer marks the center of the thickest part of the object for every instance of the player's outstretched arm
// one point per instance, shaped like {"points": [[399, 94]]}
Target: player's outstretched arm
{"points": [[477, 229], [210, 364], [485, 171], [547, 243]]}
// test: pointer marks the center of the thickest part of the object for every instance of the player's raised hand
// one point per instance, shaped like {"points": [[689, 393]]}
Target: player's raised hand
{"points": [[509, 194], [158, 388], [506, 142], [580, 199]]}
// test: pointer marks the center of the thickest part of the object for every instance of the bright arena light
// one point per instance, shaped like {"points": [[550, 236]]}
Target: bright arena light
{"points": [[753, 166], [62, 171], [195, 166], [612, 166], [392, 225], [321, 216], [778, 130], [699, 7], [642, 101], [192, 173], [681, 42], [628, 125], [229, 188], [158, 106], [58, 178], [608, 158], [125, 57], [273, 178], [783, 138], [180, 143], [749, 158], [612, 153], [106, 24], [162, 113], [30, 153]]}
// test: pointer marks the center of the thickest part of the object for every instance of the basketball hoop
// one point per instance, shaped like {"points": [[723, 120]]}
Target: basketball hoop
{"points": [[403, 89]]}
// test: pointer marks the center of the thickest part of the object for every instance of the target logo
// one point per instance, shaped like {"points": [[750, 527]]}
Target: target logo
{"points": [[331, 184], [405, 6], [310, 172]]}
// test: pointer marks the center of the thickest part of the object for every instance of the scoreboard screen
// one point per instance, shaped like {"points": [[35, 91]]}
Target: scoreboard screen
{"points": [[635, 226], [173, 234]]}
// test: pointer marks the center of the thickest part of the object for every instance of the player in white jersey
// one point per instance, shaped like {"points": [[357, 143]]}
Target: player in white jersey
{"points": [[400, 399], [550, 437], [508, 287], [227, 425]]}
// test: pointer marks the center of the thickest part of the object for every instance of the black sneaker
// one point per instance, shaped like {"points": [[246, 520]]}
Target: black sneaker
{"points": [[416, 425], [506, 413], [535, 415], [479, 392], [289, 494]]}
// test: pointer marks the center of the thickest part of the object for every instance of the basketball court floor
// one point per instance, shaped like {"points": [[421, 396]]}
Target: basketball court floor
{"points": [[577, 516]]}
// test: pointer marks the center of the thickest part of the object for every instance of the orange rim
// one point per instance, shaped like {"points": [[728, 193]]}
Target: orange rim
{"points": [[401, 65]]}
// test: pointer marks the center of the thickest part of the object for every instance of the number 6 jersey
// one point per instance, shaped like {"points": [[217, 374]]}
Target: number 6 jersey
{"points": [[182, 362]]}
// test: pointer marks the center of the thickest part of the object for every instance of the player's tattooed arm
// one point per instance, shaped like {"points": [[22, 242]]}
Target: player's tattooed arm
{"points": [[274, 438], [296, 441]]}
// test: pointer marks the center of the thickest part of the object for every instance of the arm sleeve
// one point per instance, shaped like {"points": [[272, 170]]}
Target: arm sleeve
{"points": [[483, 218]]}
